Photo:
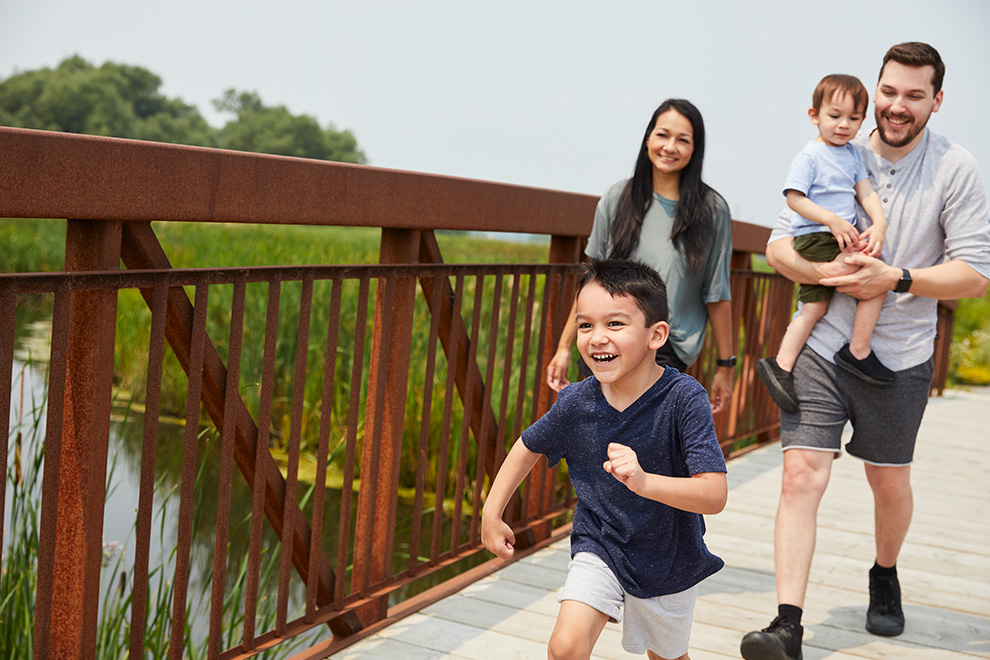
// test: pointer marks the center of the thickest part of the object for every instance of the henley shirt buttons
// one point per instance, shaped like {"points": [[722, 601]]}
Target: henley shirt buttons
{"points": [[892, 171]]}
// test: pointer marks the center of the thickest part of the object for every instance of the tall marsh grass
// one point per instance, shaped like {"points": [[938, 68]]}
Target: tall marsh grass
{"points": [[18, 578]]}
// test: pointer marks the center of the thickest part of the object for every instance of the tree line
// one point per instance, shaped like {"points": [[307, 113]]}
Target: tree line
{"points": [[121, 100]]}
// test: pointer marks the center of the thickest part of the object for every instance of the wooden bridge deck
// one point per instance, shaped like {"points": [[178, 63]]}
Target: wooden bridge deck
{"points": [[944, 567]]}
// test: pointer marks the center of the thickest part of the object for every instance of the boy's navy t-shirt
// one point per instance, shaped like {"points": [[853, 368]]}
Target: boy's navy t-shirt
{"points": [[653, 549]]}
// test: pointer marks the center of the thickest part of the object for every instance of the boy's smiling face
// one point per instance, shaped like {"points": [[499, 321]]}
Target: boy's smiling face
{"points": [[838, 120], [613, 337]]}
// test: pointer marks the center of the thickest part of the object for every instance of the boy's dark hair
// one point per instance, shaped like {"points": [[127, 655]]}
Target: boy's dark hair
{"points": [[916, 53], [840, 84], [621, 277]]}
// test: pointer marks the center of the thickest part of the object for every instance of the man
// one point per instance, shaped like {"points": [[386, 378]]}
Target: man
{"points": [[938, 246]]}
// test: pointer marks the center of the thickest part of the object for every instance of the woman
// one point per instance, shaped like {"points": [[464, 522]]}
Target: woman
{"points": [[668, 218]]}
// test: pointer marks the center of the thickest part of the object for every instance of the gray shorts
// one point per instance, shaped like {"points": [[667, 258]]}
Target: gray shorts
{"points": [[885, 419], [661, 624]]}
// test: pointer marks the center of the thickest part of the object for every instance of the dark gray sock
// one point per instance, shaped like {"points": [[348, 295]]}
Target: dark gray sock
{"points": [[880, 571], [792, 613]]}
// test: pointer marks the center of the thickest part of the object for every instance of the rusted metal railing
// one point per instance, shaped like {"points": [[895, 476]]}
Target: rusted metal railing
{"points": [[421, 427]]}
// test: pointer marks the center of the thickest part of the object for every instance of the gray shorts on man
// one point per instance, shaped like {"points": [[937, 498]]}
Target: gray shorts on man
{"points": [[885, 419]]}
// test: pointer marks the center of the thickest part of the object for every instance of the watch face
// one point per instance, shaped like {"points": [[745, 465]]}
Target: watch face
{"points": [[904, 283]]}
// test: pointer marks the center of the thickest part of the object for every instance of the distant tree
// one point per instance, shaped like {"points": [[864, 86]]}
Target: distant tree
{"points": [[120, 100], [113, 99], [275, 130]]}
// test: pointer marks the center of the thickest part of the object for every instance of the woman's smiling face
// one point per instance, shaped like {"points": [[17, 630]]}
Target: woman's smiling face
{"points": [[670, 143]]}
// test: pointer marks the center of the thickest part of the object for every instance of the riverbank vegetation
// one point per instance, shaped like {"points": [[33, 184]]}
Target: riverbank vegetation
{"points": [[39, 245], [190, 245], [21, 552]]}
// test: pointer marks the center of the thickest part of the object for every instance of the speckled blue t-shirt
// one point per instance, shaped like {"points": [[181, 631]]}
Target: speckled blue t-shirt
{"points": [[653, 549]]}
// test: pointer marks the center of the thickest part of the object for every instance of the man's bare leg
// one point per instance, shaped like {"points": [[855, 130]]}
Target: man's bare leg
{"points": [[806, 475], [893, 508]]}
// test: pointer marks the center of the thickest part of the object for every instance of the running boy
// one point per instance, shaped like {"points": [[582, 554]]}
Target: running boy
{"points": [[823, 184], [645, 463]]}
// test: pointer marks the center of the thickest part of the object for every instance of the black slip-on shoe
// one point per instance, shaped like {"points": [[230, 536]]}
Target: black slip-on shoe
{"points": [[869, 369], [780, 383]]}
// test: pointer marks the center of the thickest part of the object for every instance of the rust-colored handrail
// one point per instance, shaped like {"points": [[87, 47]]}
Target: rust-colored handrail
{"points": [[484, 361]]}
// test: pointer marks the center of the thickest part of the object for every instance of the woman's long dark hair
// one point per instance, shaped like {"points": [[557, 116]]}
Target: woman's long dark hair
{"points": [[694, 224]]}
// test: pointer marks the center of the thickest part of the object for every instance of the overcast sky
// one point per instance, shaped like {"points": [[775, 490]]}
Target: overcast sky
{"points": [[550, 94]]}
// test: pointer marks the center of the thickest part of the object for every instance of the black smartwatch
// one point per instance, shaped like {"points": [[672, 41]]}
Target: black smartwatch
{"points": [[728, 362], [904, 283]]}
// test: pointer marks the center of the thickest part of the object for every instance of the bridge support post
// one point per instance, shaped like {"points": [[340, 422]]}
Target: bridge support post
{"points": [[69, 576], [387, 386]]}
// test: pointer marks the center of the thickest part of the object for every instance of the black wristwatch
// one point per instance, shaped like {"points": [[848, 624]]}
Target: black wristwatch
{"points": [[904, 283], [728, 362]]}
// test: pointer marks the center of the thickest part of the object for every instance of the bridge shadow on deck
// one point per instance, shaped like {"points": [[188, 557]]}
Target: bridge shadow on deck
{"points": [[944, 567]]}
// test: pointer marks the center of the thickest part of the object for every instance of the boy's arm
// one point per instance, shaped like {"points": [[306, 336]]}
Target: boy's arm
{"points": [[877, 233], [495, 534], [845, 232], [704, 492]]}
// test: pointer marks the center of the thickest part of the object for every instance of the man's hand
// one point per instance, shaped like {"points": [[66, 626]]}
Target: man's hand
{"points": [[623, 464], [497, 536], [871, 278], [782, 258], [838, 267]]}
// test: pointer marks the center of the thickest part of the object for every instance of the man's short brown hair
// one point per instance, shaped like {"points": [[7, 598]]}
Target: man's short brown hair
{"points": [[916, 53]]}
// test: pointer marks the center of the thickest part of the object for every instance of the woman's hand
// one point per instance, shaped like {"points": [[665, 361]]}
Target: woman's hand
{"points": [[721, 392], [720, 316], [557, 369]]}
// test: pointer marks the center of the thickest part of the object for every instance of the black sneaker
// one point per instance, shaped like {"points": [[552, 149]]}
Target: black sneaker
{"points": [[870, 368], [779, 382], [781, 640], [885, 616]]}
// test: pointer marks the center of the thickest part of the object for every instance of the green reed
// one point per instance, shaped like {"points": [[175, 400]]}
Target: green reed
{"points": [[18, 578]]}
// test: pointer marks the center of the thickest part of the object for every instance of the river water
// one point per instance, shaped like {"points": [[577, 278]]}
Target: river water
{"points": [[28, 414]]}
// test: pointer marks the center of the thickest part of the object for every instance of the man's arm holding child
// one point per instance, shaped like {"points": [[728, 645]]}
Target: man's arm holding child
{"points": [[949, 280], [704, 493], [495, 534], [782, 257]]}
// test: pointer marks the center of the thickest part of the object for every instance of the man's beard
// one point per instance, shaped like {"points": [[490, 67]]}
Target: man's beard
{"points": [[911, 134]]}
